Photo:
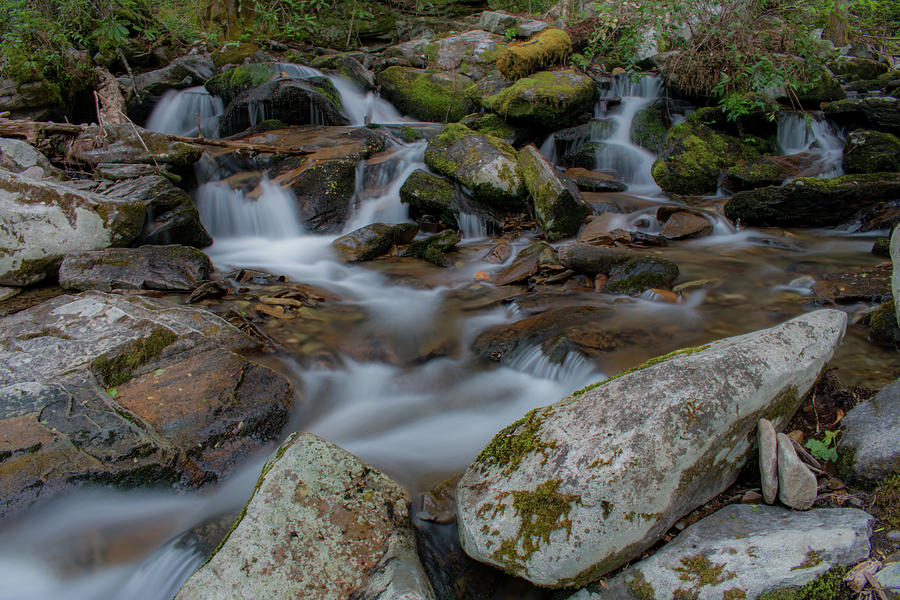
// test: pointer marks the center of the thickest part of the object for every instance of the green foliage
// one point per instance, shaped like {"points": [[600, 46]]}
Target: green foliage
{"points": [[827, 586], [532, 7], [826, 448]]}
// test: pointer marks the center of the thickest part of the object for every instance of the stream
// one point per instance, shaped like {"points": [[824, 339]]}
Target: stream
{"points": [[424, 410]]}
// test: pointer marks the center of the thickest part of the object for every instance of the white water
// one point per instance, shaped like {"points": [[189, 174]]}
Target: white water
{"points": [[178, 113], [802, 132]]}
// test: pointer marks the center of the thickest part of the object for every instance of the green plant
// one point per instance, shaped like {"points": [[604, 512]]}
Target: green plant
{"points": [[510, 33], [826, 448]]}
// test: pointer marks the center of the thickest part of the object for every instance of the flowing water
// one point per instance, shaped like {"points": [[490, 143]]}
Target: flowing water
{"points": [[389, 373]]}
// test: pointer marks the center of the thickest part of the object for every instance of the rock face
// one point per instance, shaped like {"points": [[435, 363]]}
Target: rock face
{"points": [[743, 551], [430, 96], [320, 524], [558, 205], [486, 165], [871, 152], [175, 268], [121, 144], [796, 483], [546, 100], [40, 222], [189, 407], [812, 202], [868, 449], [570, 491], [347, 66], [527, 263], [879, 114]]}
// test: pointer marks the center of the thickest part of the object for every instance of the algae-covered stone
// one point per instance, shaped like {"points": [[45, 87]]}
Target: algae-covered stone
{"points": [[852, 67], [347, 66], [546, 100], [812, 202], [429, 194], [40, 222], [641, 273], [871, 152], [430, 96], [234, 53], [875, 113], [649, 128], [742, 551], [570, 491], [486, 165], [558, 205], [176, 268], [434, 248], [549, 48], [493, 124], [228, 84], [373, 240], [320, 524]]}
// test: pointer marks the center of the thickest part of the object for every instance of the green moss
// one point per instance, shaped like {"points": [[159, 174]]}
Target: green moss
{"points": [[649, 363], [432, 96], [648, 130], [755, 172], [233, 52], [115, 371], [812, 559], [540, 512], [228, 84], [701, 571], [828, 586], [409, 135], [887, 500], [549, 48], [546, 99], [734, 594], [882, 324], [641, 588], [507, 449]]}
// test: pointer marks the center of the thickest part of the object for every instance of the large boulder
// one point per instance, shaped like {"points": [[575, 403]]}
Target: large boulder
{"points": [[876, 113], [558, 205], [320, 524], [312, 101], [21, 157], [38, 100], [172, 216], [348, 66], [549, 48], [503, 23], [868, 449], [546, 100], [473, 53], [744, 551], [576, 489], [230, 83], [871, 152], [174, 268], [128, 391], [812, 202], [430, 194], [428, 95], [40, 222], [126, 143], [486, 165]]}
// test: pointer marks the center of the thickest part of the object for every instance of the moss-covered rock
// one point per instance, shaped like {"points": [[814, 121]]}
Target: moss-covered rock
{"points": [[493, 124], [549, 48], [558, 205], [824, 89], [851, 68], [650, 127], [37, 99], [473, 53], [484, 164], [766, 170], [882, 325], [546, 100], [234, 53], [812, 202], [641, 273], [373, 240], [882, 247], [695, 155], [758, 116], [429, 194], [434, 248], [876, 113], [584, 156], [228, 84], [871, 152], [176, 268], [431, 96], [347, 65]]}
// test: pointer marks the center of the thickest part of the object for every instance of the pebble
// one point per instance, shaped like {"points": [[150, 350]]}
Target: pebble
{"points": [[767, 440], [797, 486]]}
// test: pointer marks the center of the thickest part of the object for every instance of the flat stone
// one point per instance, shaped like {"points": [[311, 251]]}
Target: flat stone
{"points": [[527, 263], [796, 483], [869, 446], [767, 440], [172, 268], [684, 225]]}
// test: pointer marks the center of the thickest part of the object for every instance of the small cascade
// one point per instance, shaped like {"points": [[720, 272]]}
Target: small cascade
{"points": [[473, 226], [378, 193], [548, 149], [803, 132], [574, 371], [229, 213], [178, 113], [617, 153]]}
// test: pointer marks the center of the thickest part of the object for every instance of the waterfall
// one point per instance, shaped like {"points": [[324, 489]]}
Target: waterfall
{"points": [[226, 212], [178, 113], [804, 132]]}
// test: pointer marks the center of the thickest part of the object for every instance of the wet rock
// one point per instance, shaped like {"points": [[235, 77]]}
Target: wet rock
{"points": [[811, 202], [429, 194], [320, 524], [546, 100], [685, 225], [871, 152], [593, 181], [125, 144], [172, 216], [174, 268], [882, 247], [768, 170], [145, 89], [230, 83], [882, 325], [527, 263], [558, 205], [473, 53], [796, 483], [876, 113], [767, 440], [434, 248], [640, 273], [484, 164], [549, 48], [584, 156], [650, 127], [372, 241], [430, 96], [38, 100], [347, 66], [492, 124], [590, 259], [824, 89], [743, 551], [312, 101], [868, 448], [40, 222], [501, 22], [860, 285], [498, 253], [569, 492], [18, 156]]}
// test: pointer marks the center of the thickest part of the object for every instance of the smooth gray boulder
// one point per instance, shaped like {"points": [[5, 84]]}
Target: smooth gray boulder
{"points": [[18, 156], [869, 447], [743, 551], [173, 268], [796, 483], [502, 22], [320, 524], [767, 440], [576, 489], [473, 53], [40, 222]]}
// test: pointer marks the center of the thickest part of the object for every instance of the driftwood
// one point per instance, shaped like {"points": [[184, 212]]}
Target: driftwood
{"points": [[33, 131]]}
